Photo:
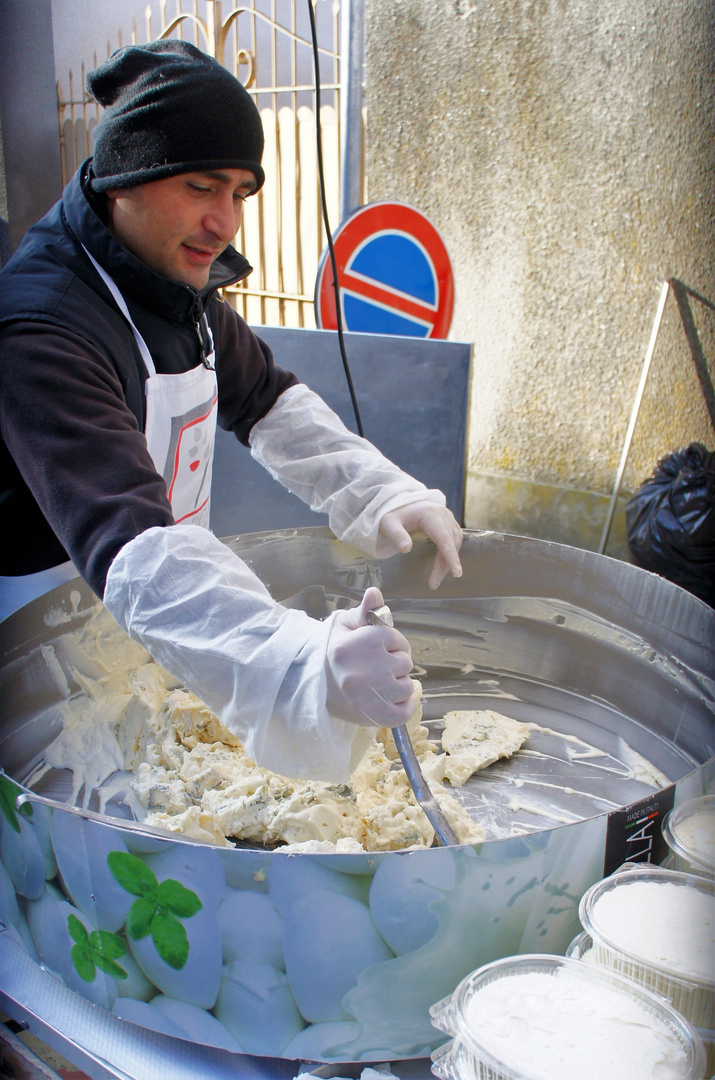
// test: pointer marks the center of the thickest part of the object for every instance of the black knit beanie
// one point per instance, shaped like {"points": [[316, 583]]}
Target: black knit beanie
{"points": [[170, 109]]}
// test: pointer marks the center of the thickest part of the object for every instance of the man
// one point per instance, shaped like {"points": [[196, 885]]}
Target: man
{"points": [[117, 357]]}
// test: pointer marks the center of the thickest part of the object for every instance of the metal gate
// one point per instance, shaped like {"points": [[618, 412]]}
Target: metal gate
{"points": [[267, 45]]}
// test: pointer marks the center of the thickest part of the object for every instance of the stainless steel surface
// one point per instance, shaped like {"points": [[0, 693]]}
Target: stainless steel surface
{"points": [[612, 667], [613, 663], [444, 833]]}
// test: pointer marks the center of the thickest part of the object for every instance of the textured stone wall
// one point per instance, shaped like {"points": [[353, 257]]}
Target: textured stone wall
{"points": [[565, 150]]}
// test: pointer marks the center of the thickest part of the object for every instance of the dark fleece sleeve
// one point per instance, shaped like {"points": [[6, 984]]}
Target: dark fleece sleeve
{"points": [[76, 476], [249, 381]]}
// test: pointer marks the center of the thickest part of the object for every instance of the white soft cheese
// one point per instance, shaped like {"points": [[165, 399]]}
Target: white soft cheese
{"points": [[474, 740], [668, 925], [696, 833], [189, 774], [196, 782], [563, 1027]]}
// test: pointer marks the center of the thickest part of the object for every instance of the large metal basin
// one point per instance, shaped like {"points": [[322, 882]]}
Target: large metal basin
{"points": [[338, 957]]}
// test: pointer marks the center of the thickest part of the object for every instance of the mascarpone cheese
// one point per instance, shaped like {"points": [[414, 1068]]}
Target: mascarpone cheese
{"points": [[563, 1027], [668, 925], [187, 773]]}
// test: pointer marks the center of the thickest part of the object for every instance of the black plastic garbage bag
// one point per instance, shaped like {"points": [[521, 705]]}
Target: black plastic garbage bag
{"points": [[670, 521]]}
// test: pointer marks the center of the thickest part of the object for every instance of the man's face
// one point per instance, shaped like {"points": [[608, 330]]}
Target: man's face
{"points": [[179, 225]]}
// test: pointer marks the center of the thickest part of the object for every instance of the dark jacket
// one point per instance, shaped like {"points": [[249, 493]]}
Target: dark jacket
{"points": [[76, 478]]}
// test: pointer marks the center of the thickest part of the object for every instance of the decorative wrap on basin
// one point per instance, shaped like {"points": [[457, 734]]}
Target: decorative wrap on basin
{"points": [[339, 957], [332, 957]]}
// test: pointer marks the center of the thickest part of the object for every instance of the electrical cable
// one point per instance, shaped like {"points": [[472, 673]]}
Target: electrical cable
{"points": [[323, 203]]}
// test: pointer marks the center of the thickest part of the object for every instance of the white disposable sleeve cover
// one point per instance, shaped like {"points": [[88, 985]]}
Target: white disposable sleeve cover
{"points": [[306, 447], [205, 617]]}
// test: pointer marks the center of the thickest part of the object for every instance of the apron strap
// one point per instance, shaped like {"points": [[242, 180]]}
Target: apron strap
{"points": [[141, 343], [122, 305]]}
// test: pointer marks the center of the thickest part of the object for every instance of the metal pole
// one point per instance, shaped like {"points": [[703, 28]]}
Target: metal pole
{"points": [[352, 45], [634, 417]]}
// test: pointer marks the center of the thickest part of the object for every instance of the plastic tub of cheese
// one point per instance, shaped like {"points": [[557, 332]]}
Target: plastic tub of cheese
{"points": [[657, 927], [689, 831], [581, 948], [542, 1017]]}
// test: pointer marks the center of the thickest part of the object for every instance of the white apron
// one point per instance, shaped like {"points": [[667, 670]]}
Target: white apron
{"points": [[180, 432]]}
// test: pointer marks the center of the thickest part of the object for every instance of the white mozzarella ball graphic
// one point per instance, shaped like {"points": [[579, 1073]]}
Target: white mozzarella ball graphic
{"points": [[9, 910], [173, 935], [319, 1042], [63, 938], [22, 854], [136, 985], [349, 864], [247, 869], [145, 1015], [294, 876], [200, 1026], [251, 929], [144, 843], [41, 820], [196, 866], [257, 1007], [328, 941], [47, 923], [81, 848], [401, 892], [198, 978]]}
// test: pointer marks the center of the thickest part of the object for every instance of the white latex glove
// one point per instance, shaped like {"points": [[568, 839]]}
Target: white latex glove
{"points": [[261, 667], [306, 446], [436, 522], [368, 669]]}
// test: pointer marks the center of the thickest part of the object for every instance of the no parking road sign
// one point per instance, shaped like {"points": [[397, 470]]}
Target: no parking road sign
{"points": [[394, 273]]}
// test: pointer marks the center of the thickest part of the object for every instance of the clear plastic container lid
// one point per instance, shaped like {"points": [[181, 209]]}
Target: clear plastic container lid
{"points": [[472, 1054], [581, 948], [689, 831], [627, 913]]}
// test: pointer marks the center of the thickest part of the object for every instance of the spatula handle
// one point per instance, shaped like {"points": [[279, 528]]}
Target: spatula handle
{"points": [[435, 815]]}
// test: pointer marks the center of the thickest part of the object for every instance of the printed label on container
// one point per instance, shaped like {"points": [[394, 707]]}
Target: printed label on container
{"points": [[634, 833]]}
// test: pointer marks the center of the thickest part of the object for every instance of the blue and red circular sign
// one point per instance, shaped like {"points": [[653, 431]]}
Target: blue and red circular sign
{"points": [[394, 274]]}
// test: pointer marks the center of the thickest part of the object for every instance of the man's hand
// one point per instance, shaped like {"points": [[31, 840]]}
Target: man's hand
{"points": [[436, 522], [368, 669]]}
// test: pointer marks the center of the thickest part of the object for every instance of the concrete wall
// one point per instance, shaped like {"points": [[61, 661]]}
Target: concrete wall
{"points": [[566, 152], [30, 173]]}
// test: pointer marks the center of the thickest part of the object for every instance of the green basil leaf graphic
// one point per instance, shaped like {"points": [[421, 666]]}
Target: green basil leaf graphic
{"points": [[96, 950], [8, 794], [131, 873], [83, 964], [139, 918], [109, 967], [77, 931], [108, 945], [170, 939], [178, 899]]}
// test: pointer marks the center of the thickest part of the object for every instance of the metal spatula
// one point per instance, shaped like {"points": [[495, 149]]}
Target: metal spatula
{"points": [[382, 616]]}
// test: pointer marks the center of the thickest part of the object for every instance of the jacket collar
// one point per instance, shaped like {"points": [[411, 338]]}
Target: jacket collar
{"points": [[84, 213]]}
